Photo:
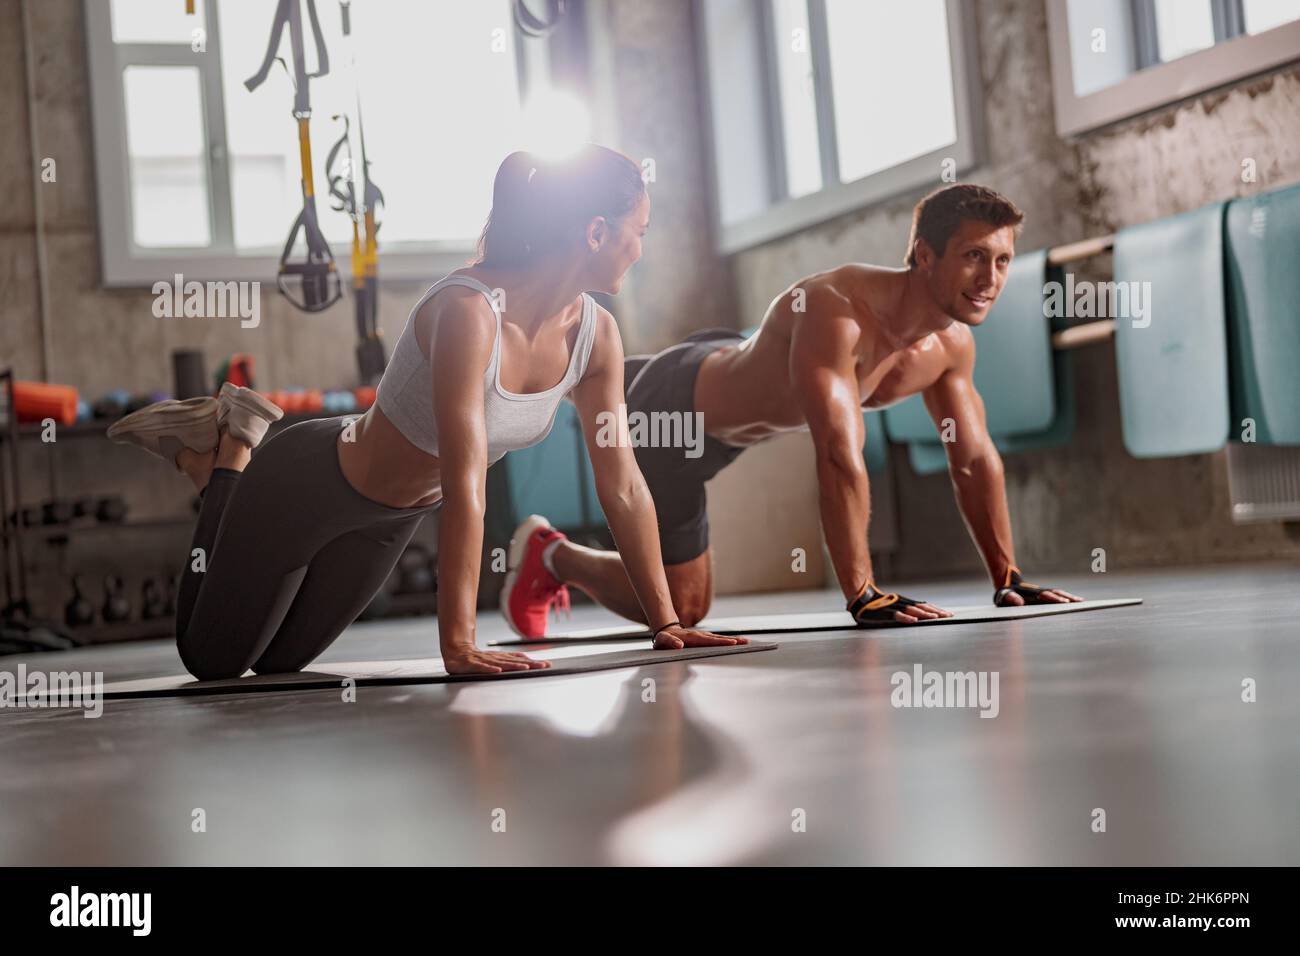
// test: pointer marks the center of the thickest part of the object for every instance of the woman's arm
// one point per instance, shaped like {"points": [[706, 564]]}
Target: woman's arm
{"points": [[622, 491], [462, 345]]}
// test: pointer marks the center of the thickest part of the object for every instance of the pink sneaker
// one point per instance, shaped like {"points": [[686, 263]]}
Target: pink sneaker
{"points": [[531, 590]]}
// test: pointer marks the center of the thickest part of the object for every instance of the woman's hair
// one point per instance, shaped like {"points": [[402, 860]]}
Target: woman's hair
{"points": [[537, 206]]}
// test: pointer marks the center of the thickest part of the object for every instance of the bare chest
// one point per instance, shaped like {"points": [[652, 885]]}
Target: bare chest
{"points": [[901, 375]]}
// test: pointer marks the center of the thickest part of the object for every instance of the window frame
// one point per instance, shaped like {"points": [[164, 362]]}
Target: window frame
{"points": [[784, 216], [1227, 16], [123, 264], [1163, 84]]}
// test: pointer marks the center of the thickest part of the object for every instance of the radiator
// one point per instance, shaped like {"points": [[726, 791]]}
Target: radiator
{"points": [[1264, 481]]}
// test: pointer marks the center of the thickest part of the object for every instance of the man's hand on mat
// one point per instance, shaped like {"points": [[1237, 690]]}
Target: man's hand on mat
{"points": [[1018, 592], [676, 637], [471, 660], [873, 606], [918, 611]]}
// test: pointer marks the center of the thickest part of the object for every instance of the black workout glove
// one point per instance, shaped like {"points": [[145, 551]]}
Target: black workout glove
{"points": [[872, 606], [1031, 593]]}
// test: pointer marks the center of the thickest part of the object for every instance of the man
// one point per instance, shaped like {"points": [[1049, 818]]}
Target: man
{"points": [[855, 337]]}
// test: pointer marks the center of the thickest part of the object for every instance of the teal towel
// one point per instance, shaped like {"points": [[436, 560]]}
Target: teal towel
{"points": [[1173, 361], [1263, 258]]}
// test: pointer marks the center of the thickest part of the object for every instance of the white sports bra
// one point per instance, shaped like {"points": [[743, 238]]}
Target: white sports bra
{"points": [[405, 392]]}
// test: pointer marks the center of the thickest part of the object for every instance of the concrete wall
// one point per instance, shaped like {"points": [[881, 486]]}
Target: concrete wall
{"points": [[681, 284]]}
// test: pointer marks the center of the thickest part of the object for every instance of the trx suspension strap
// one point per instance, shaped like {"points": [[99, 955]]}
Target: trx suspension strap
{"points": [[531, 25], [362, 209], [313, 283]]}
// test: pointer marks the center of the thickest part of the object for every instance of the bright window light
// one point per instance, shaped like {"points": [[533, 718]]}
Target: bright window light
{"points": [[797, 91], [555, 124], [1183, 27], [878, 123], [155, 21], [1264, 15], [164, 135]]}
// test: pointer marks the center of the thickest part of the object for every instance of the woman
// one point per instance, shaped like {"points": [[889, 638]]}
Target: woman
{"points": [[292, 545]]}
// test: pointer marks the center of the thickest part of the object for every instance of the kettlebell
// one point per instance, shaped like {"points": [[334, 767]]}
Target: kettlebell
{"points": [[152, 604], [57, 511], [111, 510], [116, 606], [382, 603], [169, 603], [78, 612], [413, 571]]}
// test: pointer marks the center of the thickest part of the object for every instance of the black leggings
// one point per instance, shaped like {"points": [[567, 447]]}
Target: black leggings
{"points": [[293, 555]]}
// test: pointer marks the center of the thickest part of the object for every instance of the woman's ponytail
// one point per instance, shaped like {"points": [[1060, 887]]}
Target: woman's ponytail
{"points": [[538, 206]]}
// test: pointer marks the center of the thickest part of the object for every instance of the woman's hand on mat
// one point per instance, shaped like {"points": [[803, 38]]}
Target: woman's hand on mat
{"points": [[471, 660], [676, 637]]}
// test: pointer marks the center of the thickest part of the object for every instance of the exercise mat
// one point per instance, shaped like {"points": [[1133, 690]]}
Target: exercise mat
{"points": [[427, 670], [826, 621]]}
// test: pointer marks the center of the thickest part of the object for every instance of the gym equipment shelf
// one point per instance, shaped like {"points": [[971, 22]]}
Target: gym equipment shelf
{"points": [[136, 630], [97, 426], [13, 533], [52, 532]]}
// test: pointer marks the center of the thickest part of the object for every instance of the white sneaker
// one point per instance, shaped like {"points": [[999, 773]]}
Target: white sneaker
{"points": [[164, 428], [246, 414]]}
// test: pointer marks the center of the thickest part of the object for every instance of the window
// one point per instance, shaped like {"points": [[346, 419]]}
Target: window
{"points": [[168, 171], [806, 119], [797, 100], [1261, 15], [1182, 27], [875, 132], [1112, 59], [200, 176]]}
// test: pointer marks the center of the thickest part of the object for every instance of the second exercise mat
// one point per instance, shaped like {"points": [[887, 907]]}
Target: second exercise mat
{"points": [[825, 621]]}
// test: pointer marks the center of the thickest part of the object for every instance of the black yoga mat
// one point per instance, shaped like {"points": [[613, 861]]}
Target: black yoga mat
{"points": [[427, 670], [824, 621]]}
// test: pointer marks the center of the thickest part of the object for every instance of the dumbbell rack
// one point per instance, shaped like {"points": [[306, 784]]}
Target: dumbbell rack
{"points": [[16, 603], [14, 537]]}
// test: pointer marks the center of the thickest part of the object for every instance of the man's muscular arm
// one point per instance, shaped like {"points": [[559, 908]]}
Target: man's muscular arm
{"points": [[823, 373], [977, 475]]}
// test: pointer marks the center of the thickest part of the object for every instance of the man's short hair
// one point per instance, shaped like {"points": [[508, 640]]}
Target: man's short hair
{"points": [[940, 214]]}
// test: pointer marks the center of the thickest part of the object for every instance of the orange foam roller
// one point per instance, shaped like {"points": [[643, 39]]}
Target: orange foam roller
{"points": [[365, 396], [37, 401], [313, 400]]}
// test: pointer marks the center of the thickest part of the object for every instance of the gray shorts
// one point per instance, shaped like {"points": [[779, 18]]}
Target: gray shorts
{"points": [[666, 383]]}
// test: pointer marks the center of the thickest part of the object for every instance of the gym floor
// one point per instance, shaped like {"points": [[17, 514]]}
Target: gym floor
{"points": [[1137, 711]]}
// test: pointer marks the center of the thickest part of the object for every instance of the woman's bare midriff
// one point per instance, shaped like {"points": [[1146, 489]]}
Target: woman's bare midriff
{"points": [[381, 464]]}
